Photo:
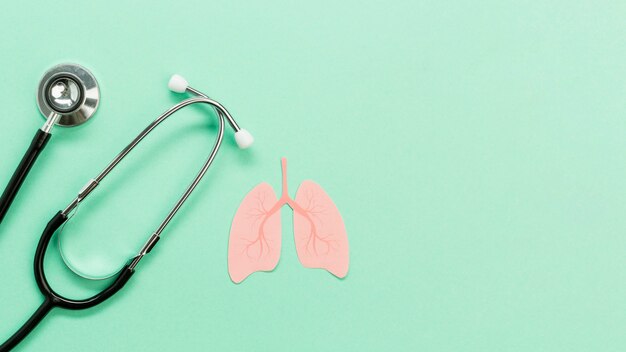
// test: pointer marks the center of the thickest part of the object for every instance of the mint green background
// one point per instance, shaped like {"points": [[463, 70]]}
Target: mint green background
{"points": [[475, 149]]}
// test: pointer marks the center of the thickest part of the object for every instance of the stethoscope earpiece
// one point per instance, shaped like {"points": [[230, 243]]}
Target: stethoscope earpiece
{"points": [[244, 139], [178, 84]]}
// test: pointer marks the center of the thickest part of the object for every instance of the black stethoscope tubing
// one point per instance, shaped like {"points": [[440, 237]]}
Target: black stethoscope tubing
{"points": [[37, 145], [53, 299]]}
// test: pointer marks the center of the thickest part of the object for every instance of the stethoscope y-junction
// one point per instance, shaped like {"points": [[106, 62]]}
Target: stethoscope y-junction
{"points": [[51, 298]]}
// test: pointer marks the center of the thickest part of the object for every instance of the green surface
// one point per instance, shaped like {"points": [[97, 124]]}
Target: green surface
{"points": [[474, 148]]}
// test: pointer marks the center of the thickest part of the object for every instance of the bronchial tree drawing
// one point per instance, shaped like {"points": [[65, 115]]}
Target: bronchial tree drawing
{"points": [[319, 231]]}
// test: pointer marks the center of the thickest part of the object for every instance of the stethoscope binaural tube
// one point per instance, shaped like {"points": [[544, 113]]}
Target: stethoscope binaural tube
{"points": [[53, 299], [68, 95]]}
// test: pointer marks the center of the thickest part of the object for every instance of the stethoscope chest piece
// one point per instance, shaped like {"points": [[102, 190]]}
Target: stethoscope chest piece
{"points": [[70, 91]]}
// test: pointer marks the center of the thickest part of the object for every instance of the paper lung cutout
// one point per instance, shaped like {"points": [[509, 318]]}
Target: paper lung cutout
{"points": [[320, 235], [319, 231], [255, 235]]}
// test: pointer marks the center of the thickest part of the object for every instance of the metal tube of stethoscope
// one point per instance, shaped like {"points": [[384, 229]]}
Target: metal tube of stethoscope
{"points": [[93, 183], [50, 122], [230, 119], [179, 85]]}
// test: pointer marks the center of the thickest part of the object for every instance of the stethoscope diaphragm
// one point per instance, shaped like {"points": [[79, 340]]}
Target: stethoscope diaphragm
{"points": [[70, 91]]}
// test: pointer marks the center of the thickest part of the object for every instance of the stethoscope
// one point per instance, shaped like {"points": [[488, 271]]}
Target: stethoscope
{"points": [[53, 299], [68, 95]]}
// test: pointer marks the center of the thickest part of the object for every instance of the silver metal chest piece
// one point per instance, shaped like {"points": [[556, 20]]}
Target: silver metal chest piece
{"points": [[68, 90]]}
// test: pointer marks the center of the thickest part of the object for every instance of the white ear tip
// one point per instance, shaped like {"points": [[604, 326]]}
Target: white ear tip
{"points": [[178, 84], [244, 139]]}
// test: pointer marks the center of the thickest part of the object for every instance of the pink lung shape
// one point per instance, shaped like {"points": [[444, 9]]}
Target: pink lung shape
{"points": [[319, 231], [255, 235], [320, 234]]}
